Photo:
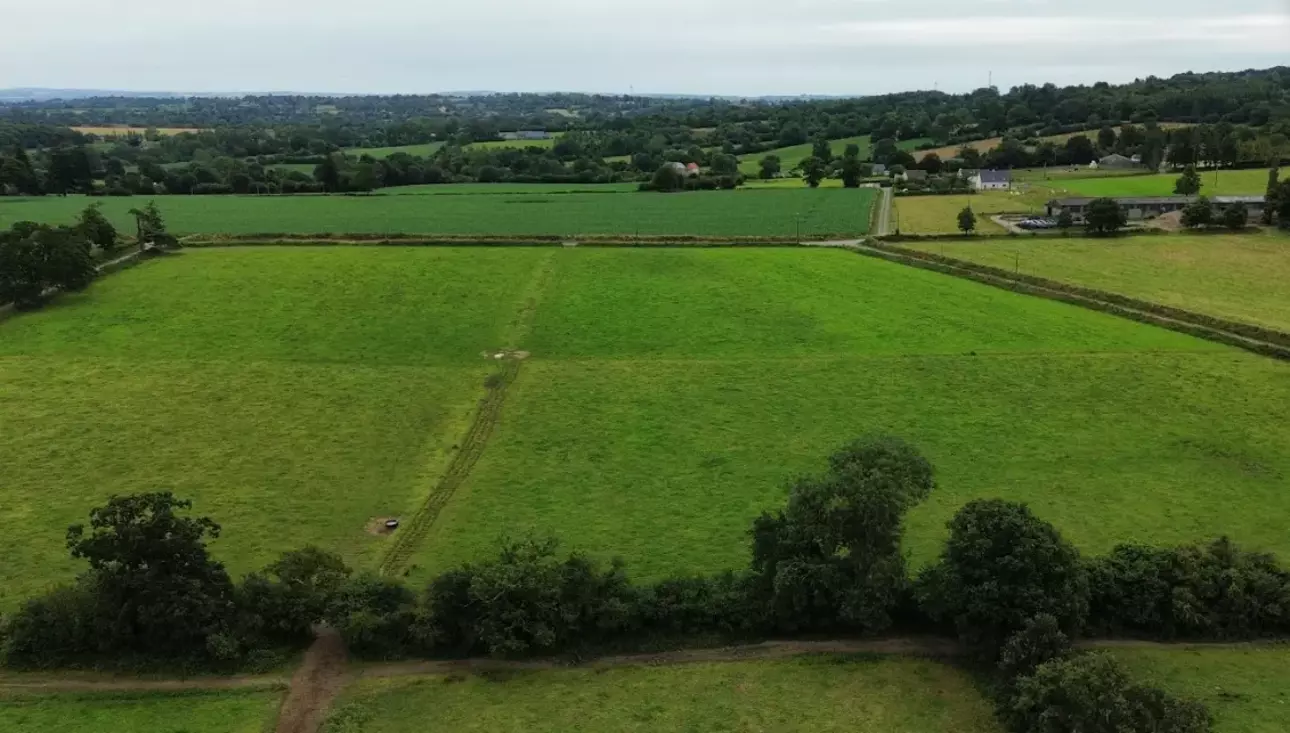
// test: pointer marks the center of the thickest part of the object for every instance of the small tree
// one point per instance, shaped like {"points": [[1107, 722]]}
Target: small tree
{"points": [[1270, 196], [1188, 183], [1199, 213], [1236, 217], [1001, 567], [150, 228], [813, 171], [1104, 217], [770, 167], [1065, 221], [96, 228], [967, 220]]}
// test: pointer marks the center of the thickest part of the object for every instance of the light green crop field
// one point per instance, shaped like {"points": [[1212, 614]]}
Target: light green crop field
{"points": [[1240, 277], [293, 394], [440, 189], [809, 695], [298, 393], [705, 213], [1246, 688], [205, 712], [1253, 182]]}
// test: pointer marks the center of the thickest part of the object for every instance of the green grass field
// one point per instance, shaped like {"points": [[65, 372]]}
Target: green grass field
{"points": [[1238, 277], [1246, 688], [710, 213], [807, 695], [440, 189], [940, 214], [421, 150], [297, 393], [789, 157], [206, 712], [293, 394], [1252, 182]]}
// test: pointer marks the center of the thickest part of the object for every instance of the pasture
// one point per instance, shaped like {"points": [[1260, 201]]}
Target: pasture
{"points": [[789, 157], [774, 213], [298, 393], [1246, 688], [1241, 277], [940, 214], [251, 711], [425, 150], [1253, 182], [860, 695]]}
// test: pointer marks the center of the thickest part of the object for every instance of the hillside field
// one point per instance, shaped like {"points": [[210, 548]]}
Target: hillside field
{"points": [[789, 157], [298, 393], [1253, 182], [252, 711], [771, 213], [809, 695], [1241, 277], [940, 214]]}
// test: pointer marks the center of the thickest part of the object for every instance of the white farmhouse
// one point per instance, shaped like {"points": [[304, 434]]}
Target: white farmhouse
{"points": [[992, 181]]}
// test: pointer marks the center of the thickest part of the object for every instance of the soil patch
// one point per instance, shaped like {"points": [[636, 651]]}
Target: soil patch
{"points": [[315, 685], [376, 527]]}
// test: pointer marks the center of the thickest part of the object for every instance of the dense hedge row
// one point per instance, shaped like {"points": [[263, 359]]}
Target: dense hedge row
{"points": [[1007, 584]]}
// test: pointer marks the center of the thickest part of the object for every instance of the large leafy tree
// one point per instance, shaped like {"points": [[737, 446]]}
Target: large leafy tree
{"points": [[832, 557], [1001, 567], [96, 228], [36, 257], [769, 167], [157, 590], [1104, 217], [813, 171]]}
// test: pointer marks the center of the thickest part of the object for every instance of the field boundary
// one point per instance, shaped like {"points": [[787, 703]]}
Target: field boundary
{"points": [[1259, 340], [540, 240]]}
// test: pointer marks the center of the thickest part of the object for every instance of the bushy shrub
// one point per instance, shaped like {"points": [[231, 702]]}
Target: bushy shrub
{"points": [[1196, 591], [1039, 641], [53, 630], [528, 601], [1001, 567], [1092, 693], [699, 605], [378, 618], [283, 603]]}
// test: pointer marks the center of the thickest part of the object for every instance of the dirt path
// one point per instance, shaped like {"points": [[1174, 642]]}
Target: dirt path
{"points": [[321, 677], [75, 684], [883, 226]]}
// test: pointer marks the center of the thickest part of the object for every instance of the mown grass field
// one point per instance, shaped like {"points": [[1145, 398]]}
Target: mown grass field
{"points": [[774, 213], [1253, 182], [1246, 688], [659, 415], [789, 157], [293, 394], [940, 214], [441, 189], [297, 393], [1240, 277], [198, 712], [807, 695]]}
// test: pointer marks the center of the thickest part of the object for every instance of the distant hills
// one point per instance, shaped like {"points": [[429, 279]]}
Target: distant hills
{"points": [[45, 94]]}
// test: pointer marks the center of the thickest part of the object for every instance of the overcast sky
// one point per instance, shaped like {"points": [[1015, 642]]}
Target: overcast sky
{"points": [[738, 47]]}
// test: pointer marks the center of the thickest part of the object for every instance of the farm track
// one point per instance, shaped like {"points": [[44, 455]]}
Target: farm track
{"points": [[330, 667], [1192, 324], [471, 447]]}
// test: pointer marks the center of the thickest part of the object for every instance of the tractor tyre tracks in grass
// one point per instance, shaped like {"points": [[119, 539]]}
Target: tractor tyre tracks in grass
{"points": [[471, 447]]}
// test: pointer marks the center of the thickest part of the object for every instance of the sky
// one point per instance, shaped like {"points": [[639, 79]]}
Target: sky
{"points": [[724, 47]]}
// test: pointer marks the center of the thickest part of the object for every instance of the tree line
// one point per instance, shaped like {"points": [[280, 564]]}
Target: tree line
{"points": [[1007, 585]]}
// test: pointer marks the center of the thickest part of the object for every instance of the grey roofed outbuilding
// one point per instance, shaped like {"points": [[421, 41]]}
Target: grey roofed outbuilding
{"points": [[1004, 176], [1154, 200]]}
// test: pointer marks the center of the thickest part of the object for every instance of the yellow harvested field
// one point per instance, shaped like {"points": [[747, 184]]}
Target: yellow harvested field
{"points": [[940, 214], [125, 130]]}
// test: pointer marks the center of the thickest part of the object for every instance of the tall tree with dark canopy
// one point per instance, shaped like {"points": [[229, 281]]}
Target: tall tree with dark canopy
{"points": [[96, 228], [831, 558], [157, 590], [813, 170], [1270, 195], [36, 257], [1001, 567], [769, 167], [851, 170]]}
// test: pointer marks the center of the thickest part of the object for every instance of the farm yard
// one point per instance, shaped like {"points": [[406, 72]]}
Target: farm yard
{"points": [[1240, 277], [298, 393], [826, 694], [769, 213]]}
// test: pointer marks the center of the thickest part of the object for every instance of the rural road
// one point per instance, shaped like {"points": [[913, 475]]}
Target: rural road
{"points": [[883, 226]]}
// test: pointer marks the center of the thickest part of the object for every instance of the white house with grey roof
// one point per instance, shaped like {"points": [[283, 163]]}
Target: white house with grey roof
{"points": [[991, 180]]}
